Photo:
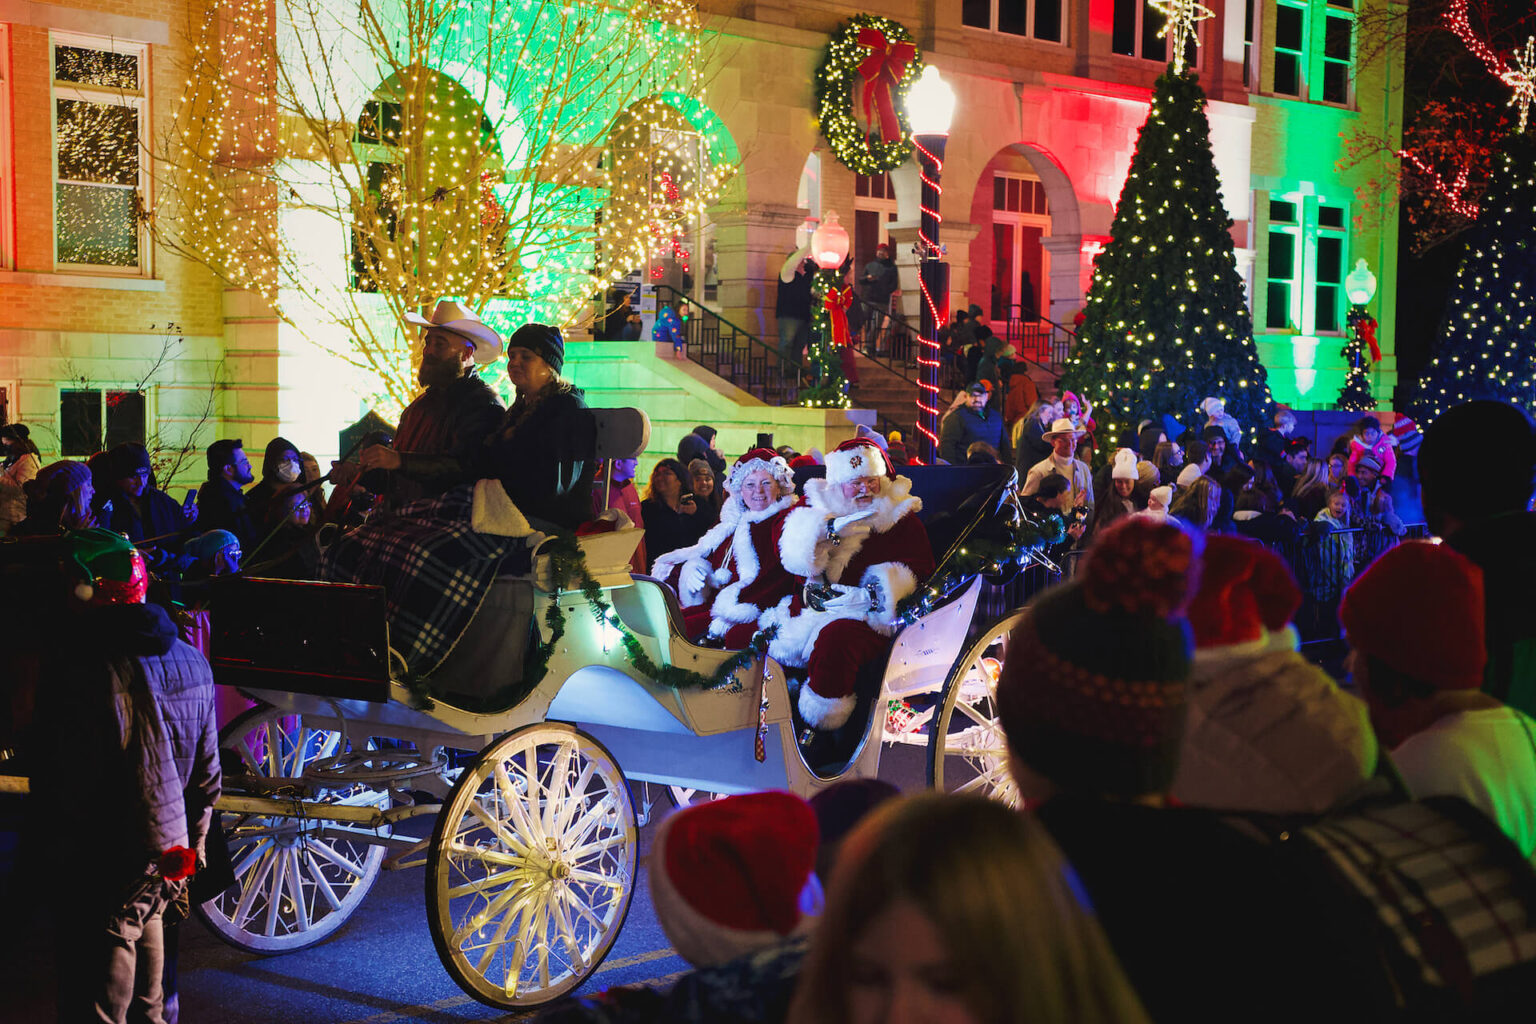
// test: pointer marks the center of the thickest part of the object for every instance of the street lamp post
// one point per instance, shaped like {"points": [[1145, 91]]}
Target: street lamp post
{"points": [[930, 106], [1360, 288]]}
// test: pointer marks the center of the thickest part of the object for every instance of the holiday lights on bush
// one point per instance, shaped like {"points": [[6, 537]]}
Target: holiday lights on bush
{"points": [[1167, 322], [830, 391], [505, 155], [878, 59], [1355, 395], [1488, 348]]}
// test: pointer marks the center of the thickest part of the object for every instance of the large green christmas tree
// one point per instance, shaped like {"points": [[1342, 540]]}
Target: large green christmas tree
{"points": [[1167, 324], [1488, 336]]}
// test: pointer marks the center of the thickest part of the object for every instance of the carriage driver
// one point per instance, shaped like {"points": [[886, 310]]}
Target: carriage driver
{"points": [[860, 548]]}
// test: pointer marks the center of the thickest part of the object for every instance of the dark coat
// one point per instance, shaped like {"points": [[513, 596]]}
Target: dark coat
{"points": [[666, 530], [450, 419], [221, 506], [963, 426], [880, 280], [545, 458], [155, 515], [1504, 547]]}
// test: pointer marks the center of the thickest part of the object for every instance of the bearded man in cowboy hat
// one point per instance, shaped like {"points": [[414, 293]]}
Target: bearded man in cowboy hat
{"points": [[452, 418], [860, 548], [1062, 461]]}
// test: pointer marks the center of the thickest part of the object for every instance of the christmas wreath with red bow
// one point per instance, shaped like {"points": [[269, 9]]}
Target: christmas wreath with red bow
{"points": [[877, 58]]}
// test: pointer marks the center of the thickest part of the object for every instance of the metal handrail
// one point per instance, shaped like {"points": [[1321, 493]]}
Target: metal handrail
{"points": [[900, 348], [737, 355], [1042, 340]]}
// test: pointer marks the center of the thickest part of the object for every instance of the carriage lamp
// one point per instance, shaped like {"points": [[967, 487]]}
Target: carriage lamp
{"points": [[829, 242], [930, 108], [1360, 284]]}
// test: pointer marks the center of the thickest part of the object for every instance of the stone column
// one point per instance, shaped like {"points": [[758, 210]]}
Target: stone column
{"points": [[1071, 271], [751, 244]]}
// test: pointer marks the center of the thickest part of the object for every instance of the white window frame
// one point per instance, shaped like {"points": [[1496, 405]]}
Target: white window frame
{"points": [[1302, 310], [1316, 231], [1018, 218], [151, 408], [1029, 20], [137, 100], [1141, 14], [1330, 12], [1303, 70]]}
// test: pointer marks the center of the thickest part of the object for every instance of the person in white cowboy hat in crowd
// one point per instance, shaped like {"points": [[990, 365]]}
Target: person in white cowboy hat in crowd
{"points": [[860, 548], [1062, 461], [452, 417]]}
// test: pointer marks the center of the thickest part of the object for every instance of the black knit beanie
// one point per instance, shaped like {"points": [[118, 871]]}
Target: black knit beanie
{"points": [[542, 340]]}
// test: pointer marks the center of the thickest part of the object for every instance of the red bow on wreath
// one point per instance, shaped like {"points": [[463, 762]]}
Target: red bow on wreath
{"points": [[836, 303], [1368, 335], [882, 71]]}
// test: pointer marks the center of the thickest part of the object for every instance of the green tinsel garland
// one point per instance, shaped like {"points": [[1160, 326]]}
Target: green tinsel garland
{"points": [[980, 556]]}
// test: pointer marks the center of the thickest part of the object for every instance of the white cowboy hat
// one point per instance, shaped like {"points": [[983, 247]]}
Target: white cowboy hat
{"points": [[1062, 428], [461, 320]]}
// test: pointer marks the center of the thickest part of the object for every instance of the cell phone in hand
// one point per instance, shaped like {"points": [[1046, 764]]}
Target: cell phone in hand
{"points": [[191, 498]]}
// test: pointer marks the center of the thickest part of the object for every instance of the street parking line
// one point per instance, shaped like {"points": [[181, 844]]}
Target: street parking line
{"points": [[413, 1012]]}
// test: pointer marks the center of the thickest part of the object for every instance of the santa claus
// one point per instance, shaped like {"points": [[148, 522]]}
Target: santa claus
{"points": [[859, 547], [732, 574]]}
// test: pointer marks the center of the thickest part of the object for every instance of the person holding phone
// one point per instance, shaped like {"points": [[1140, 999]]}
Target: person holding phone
{"points": [[670, 511], [129, 503]]}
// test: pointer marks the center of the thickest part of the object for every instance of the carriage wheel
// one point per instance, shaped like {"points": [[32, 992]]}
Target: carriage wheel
{"points": [[293, 887], [684, 796], [532, 866], [966, 749]]}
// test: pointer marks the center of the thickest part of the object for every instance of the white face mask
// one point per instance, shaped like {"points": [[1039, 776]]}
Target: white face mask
{"points": [[287, 471]]}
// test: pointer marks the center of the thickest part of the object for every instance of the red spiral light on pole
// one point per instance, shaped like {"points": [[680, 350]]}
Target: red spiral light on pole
{"points": [[933, 278]]}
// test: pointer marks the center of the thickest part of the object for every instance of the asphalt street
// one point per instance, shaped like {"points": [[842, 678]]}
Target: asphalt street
{"points": [[381, 968]]}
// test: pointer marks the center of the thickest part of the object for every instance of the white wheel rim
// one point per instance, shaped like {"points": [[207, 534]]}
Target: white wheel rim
{"points": [[534, 874], [292, 887], [971, 752], [685, 796]]}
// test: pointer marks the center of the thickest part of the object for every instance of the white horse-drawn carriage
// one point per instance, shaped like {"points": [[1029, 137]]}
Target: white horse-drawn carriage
{"points": [[531, 863]]}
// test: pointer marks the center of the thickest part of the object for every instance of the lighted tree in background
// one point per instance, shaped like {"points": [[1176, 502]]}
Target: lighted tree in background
{"points": [[1488, 337], [1166, 323], [351, 162]]}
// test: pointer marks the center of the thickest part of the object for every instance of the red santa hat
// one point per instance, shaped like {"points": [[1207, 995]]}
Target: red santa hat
{"points": [[760, 458], [1245, 590], [855, 458], [1419, 609], [736, 875]]}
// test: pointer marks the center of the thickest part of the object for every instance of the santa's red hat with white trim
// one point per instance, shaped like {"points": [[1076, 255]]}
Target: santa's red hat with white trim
{"points": [[855, 458], [1246, 593], [732, 876]]}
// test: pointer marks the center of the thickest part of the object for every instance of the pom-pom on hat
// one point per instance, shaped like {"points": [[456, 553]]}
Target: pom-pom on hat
{"points": [[544, 341], [1245, 591], [1092, 693], [853, 459], [112, 570], [760, 458], [461, 320], [1125, 466], [1188, 475], [736, 875], [1419, 610]]}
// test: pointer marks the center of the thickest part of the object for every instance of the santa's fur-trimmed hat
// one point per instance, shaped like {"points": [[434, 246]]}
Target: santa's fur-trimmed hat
{"points": [[855, 458], [760, 458], [732, 876]]}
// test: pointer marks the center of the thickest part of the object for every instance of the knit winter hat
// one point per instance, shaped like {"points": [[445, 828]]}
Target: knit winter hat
{"points": [[1163, 494], [205, 545], [112, 570], [1188, 475], [1092, 693], [736, 875], [1125, 466], [1245, 589], [853, 459], [764, 459], [127, 459], [60, 478], [542, 340], [1419, 610], [1213, 407], [1368, 462]]}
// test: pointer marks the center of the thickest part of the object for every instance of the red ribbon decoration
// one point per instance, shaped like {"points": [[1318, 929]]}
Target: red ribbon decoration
{"points": [[836, 303], [882, 71], [1368, 335]]}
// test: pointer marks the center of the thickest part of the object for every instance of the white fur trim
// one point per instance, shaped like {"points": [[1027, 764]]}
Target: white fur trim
{"points": [[728, 608], [1213, 659], [494, 513], [893, 581], [825, 712], [776, 467], [852, 463], [697, 939], [804, 547], [1286, 639], [712, 539], [720, 577]]}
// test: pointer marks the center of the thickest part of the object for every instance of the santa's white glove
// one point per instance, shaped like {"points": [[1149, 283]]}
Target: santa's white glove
{"points": [[694, 577], [848, 599], [841, 523]]}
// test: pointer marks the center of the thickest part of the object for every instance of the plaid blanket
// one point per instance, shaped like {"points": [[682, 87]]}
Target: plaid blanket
{"points": [[435, 570]]}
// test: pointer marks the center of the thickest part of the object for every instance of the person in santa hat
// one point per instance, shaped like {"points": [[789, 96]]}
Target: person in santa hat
{"points": [[733, 573], [859, 547]]}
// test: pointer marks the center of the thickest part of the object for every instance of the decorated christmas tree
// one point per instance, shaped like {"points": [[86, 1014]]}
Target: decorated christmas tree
{"points": [[1488, 335], [1166, 324]]}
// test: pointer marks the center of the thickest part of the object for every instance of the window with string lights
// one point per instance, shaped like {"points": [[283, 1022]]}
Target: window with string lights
{"points": [[100, 120], [1033, 19], [1137, 31]]}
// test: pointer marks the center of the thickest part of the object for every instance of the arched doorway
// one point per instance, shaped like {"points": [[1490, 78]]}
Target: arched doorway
{"points": [[1026, 263]]}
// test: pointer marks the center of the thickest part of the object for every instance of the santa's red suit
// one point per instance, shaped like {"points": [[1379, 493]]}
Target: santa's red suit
{"points": [[732, 574], [878, 560]]}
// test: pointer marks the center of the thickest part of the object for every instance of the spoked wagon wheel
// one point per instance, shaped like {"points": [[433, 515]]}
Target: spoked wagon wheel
{"points": [[532, 866], [294, 886], [686, 796], [967, 752]]}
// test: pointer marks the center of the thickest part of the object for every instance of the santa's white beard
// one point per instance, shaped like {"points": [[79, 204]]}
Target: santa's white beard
{"points": [[839, 504]]}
